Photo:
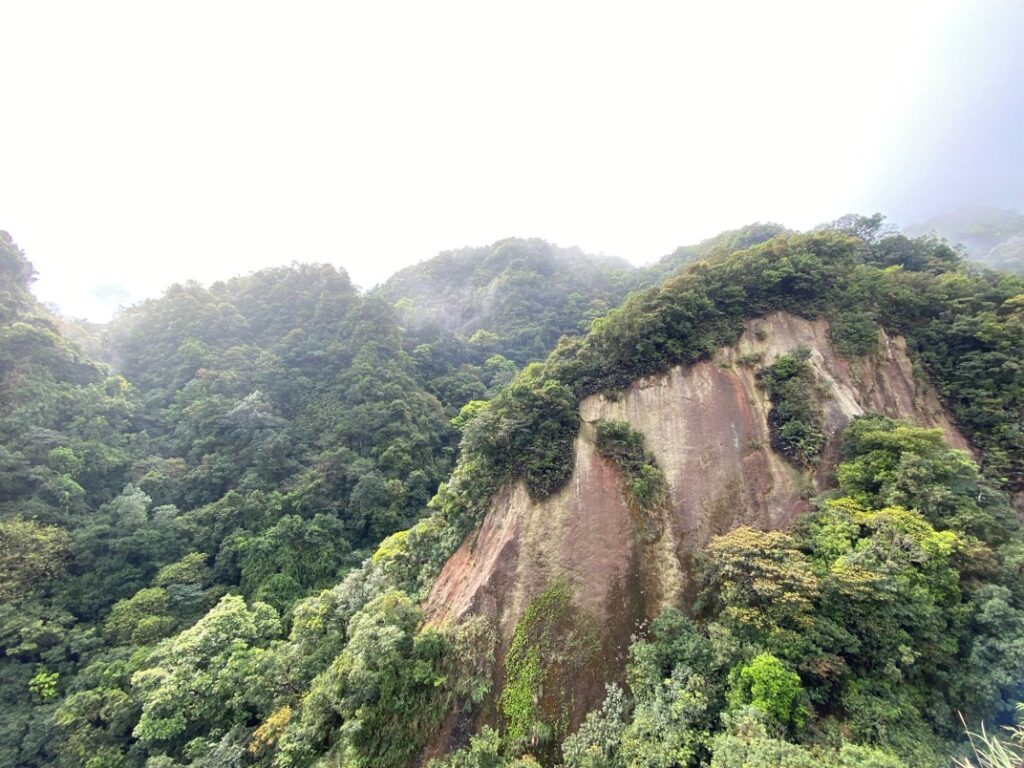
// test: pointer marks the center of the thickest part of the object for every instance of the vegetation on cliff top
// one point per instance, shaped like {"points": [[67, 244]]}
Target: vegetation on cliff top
{"points": [[852, 640]]}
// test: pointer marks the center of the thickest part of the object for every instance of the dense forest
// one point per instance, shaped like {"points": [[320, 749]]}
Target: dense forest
{"points": [[991, 236], [521, 295], [220, 513]]}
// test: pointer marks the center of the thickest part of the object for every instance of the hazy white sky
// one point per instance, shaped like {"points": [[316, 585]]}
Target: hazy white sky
{"points": [[145, 143]]}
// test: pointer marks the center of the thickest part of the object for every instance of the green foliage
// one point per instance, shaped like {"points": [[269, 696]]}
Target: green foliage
{"points": [[266, 433], [597, 742], [967, 336], [670, 724], [676, 697], [993, 668], [794, 421], [206, 678], [553, 646], [765, 684], [190, 570], [761, 588], [467, 412], [31, 556], [484, 751], [644, 482], [388, 689], [747, 744], [673, 640], [516, 297], [309, 553], [44, 684], [141, 619], [996, 750], [526, 431], [716, 247], [755, 749], [854, 333], [272, 423], [889, 463]]}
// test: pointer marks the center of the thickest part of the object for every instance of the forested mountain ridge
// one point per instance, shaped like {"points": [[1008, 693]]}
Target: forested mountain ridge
{"points": [[226, 494], [778, 616], [518, 297], [718, 246], [258, 434], [993, 237], [520, 294]]}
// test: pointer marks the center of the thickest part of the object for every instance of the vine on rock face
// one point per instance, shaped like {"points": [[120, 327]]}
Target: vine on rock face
{"points": [[644, 482], [794, 420], [553, 647]]}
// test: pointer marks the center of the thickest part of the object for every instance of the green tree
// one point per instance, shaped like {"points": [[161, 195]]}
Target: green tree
{"points": [[765, 684], [141, 619], [597, 742], [31, 557], [208, 677], [761, 588]]}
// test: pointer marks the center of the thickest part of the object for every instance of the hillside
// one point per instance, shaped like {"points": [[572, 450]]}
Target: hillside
{"points": [[714, 530], [258, 437], [991, 236], [718, 246], [519, 296], [668, 457], [707, 426]]}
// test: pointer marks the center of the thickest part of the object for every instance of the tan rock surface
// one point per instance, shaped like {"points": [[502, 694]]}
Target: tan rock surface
{"points": [[707, 426]]}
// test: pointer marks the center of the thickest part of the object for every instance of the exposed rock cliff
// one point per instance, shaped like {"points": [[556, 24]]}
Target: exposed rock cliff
{"points": [[707, 426]]}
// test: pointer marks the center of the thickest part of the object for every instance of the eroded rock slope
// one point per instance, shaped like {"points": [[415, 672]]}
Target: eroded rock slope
{"points": [[707, 426]]}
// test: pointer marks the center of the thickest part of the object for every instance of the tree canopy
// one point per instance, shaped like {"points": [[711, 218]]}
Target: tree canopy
{"points": [[217, 526]]}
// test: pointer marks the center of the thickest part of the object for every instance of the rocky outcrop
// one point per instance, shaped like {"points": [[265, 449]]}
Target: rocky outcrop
{"points": [[707, 426]]}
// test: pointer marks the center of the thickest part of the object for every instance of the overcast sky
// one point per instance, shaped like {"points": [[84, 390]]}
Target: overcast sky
{"points": [[145, 143]]}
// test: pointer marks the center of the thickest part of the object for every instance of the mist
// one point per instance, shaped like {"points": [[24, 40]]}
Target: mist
{"points": [[962, 143], [143, 147]]}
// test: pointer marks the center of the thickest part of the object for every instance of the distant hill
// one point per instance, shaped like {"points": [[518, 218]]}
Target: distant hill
{"points": [[527, 293], [724, 243], [521, 295], [992, 236]]}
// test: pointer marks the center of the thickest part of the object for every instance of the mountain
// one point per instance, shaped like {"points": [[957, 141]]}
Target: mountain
{"points": [[707, 428], [258, 437], [761, 512], [991, 236], [697, 415], [720, 245], [520, 296]]}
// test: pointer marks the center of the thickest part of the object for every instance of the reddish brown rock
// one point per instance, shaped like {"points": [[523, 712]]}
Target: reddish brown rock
{"points": [[706, 424]]}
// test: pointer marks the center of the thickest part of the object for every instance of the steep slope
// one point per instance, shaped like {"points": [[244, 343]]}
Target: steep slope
{"points": [[707, 426], [572, 556]]}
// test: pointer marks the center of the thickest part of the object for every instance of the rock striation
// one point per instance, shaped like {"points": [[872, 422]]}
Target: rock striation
{"points": [[707, 426]]}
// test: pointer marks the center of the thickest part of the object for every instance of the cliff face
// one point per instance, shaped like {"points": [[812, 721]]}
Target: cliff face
{"points": [[707, 426]]}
